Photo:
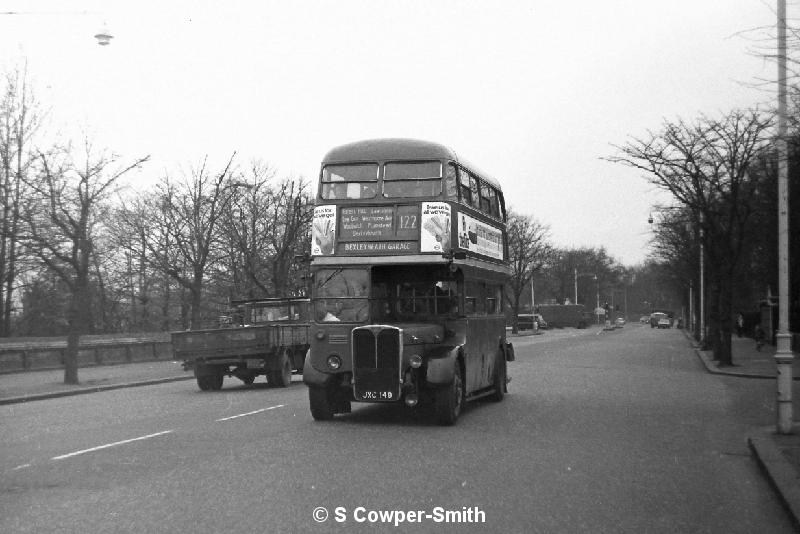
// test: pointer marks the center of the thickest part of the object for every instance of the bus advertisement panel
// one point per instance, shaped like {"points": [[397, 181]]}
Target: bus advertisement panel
{"points": [[401, 229]]}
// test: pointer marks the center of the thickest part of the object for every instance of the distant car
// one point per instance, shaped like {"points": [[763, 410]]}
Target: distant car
{"points": [[656, 317], [619, 322], [664, 322], [644, 319]]}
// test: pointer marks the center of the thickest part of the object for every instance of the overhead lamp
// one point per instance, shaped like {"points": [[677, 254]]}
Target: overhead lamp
{"points": [[103, 37]]}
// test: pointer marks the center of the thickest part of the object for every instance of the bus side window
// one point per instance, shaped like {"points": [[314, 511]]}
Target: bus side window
{"points": [[481, 303], [485, 203], [474, 300], [494, 299], [494, 206], [463, 183], [475, 193], [451, 188]]}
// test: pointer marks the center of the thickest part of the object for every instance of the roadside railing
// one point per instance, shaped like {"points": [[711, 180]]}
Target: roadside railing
{"points": [[31, 354]]}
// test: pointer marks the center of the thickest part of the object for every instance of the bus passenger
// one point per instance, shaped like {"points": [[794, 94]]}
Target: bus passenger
{"points": [[332, 313]]}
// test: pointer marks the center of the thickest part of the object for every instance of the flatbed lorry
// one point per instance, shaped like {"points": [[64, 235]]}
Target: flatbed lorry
{"points": [[257, 337]]}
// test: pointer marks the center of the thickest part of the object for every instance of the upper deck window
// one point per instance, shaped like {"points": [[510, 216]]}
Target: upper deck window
{"points": [[475, 191], [486, 205], [463, 186], [494, 203], [450, 182], [350, 181], [404, 179]]}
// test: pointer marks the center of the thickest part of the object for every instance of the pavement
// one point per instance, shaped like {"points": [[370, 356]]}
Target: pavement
{"points": [[778, 455], [47, 384]]}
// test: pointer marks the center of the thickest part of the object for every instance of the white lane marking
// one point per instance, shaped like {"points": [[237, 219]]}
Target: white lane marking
{"points": [[250, 413], [23, 466], [107, 445]]}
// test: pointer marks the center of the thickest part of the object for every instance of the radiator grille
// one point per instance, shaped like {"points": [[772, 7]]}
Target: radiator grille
{"points": [[376, 363]]}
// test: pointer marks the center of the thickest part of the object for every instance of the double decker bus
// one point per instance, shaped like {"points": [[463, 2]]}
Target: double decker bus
{"points": [[408, 264]]}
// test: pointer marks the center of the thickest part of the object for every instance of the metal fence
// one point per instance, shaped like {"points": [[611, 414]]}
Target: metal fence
{"points": [[30, 354]]}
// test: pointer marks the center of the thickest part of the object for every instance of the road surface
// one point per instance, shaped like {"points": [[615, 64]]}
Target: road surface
{"points": [[617, 431]]}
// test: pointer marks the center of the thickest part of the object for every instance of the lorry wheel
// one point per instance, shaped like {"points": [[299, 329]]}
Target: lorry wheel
{"points": [[499, 379], [210, 382], [215, 381], [450, 400], [203, 383], [283, 377], [320, 402]]}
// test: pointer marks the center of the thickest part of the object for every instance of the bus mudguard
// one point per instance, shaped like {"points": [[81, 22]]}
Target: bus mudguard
{"points": [[441, 365], [313, 377]]}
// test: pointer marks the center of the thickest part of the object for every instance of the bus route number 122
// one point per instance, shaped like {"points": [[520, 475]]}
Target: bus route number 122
{"points": [[408, 222]]}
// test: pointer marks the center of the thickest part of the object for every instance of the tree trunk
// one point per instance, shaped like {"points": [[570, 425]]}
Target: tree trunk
{"points": [[195, 294], [515, 321], [723, 353], [79, 323], [166, 324], [11, 273], [71, 357]]}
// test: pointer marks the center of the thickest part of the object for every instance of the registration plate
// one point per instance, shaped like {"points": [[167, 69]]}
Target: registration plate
{"points": [[254, 364], [378, 395]]}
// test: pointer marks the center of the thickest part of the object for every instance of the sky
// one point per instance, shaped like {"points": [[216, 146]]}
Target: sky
{"points": [[534, 92]]}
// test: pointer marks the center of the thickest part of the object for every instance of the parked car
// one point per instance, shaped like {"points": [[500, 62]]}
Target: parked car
{"points": [[619, 322], [644, 319]]}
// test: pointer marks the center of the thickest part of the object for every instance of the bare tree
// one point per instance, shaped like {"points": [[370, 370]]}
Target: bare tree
{"points": [[676, 251], [529, 250], [704, 165], [265, 226], [187, 220], [19, 121], [60, 222], [291, 220]]}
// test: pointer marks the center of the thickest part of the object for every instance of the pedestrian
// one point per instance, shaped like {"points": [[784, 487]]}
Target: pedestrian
{"points": [[739, 325], [758, 335]]}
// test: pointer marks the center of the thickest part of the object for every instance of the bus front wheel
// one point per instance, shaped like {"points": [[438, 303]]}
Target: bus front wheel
{"points": [[321, 403]]}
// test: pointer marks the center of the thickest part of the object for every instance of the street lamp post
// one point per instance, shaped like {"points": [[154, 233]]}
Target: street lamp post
{"points": [[783, 354], [575, 270], [533, 301], [702, 287]]}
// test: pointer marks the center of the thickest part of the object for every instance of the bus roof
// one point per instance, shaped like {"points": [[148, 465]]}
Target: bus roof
{"points": [[397, 149]]}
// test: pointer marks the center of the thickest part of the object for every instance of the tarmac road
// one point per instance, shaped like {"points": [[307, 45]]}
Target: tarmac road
{"points": [[619, 431]]}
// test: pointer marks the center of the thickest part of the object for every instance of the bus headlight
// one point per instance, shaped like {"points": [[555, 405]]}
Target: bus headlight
{"points": [[334, 362], [415, 361]]}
